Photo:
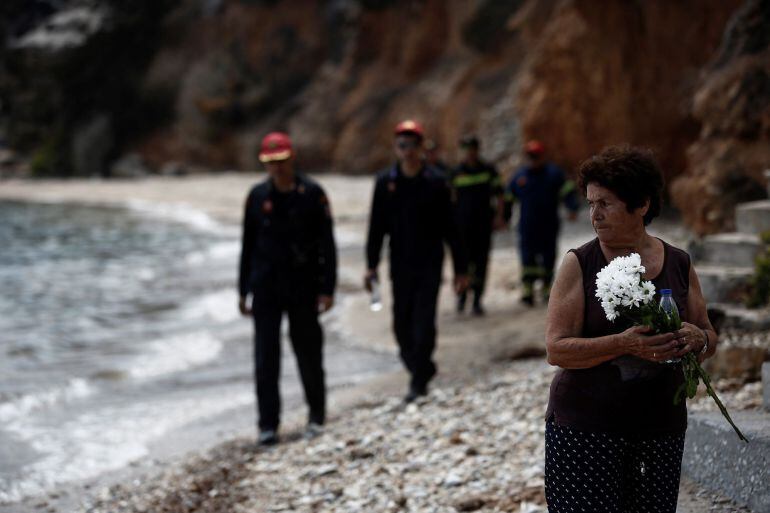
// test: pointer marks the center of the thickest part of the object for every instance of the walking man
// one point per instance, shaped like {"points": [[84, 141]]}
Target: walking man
{"points": [[412, 207], [288, 265], [433, 157], [539, 186], [478, 205]]}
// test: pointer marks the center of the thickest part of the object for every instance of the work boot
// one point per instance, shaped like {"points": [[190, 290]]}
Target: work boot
{"points": [[414, 392], [478, 310], [546, 293], [528, 294], [267, 437], [461, 299], [313, 430], [315, 417]]}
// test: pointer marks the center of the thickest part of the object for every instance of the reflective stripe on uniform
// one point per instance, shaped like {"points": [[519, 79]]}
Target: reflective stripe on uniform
{"points": [[533, 271], [568, 187], [469, 180]]}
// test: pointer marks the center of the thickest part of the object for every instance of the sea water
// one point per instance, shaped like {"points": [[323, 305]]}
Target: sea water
{"points": [[99, 309], [119, 326]]}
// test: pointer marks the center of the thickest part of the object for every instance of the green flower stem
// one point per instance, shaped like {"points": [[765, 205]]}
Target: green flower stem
{"points": [[653, 316], [691, 361]]}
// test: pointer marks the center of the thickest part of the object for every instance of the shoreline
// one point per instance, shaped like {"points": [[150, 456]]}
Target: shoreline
{"points": [[206, 214], [220, 196], [370, 332], [468, 349]]}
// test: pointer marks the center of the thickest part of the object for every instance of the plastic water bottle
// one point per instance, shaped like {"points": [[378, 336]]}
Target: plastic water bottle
{"points": [[375, 302], [668, 305]]}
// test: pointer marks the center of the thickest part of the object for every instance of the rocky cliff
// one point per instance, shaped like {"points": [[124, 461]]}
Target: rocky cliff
{"points": [[211, 77], [732, 106], [70, 80]]}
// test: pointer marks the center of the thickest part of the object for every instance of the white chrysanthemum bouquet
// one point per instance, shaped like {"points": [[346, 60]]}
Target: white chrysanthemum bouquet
{"points": [[620, 288], [623, 293]]}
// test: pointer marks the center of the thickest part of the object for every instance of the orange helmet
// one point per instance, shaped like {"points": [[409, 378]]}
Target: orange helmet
{"points": [[534, 148], [409, 126], [275, 146]]}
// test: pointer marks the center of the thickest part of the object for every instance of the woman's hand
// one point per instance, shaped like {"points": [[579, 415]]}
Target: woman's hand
{"points": [[690, 338], [655, 348]]}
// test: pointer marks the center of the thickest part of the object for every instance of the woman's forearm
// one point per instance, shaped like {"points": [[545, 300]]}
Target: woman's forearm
{"points": [[583, 353]]}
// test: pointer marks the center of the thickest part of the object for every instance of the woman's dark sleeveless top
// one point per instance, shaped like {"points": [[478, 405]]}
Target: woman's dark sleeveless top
{"points": [[626, 395]]}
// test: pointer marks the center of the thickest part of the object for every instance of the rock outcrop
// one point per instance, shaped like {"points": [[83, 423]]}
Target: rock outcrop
{"points": [[578, 77], [732, 103], [622, 73], [69, 97], [211, 77]]}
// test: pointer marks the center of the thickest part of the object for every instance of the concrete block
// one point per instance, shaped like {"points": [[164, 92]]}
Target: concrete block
{"points": [[718, 460], [736, 249], [753, 217], [724, 284], [740, 318], [766, 385], [738, 362], [767, 181]]}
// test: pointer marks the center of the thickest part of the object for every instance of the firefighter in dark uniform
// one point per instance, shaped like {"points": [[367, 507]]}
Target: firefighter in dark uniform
{"points": [[539, 187], [433, 157], [412, 206], [479, 206], [288, 265]]}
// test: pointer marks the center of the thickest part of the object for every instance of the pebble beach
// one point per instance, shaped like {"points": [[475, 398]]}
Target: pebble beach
{"points": [[475, 443]]}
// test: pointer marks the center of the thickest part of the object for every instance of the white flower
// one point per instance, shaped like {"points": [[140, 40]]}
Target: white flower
{"points": [[609, 310], [619, 285], [649, 290]]}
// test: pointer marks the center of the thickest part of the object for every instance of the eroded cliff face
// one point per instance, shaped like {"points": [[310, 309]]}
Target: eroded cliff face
{"points": [[622, 73], [732, 104], [70, 98], [579, 75], [338, 76]]}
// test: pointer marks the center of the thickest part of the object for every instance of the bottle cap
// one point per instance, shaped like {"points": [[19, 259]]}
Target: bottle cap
{"points": [[665, 292]]}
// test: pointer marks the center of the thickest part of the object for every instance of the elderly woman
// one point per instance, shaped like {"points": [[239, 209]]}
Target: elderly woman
{"points": [[614, 436]]}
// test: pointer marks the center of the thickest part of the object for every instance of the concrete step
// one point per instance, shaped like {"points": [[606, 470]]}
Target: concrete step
{"points": [[766, 385], [737, 362], [767, 181], [737, 317], [753, 217], [724, 284], [719, 461], [726, 249]]}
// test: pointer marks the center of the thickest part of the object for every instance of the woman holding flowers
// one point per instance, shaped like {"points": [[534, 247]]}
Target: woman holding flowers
{"points": [[614, 437]]}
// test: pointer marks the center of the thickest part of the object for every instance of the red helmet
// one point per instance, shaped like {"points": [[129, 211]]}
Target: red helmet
{"points": [[409, 126], [275, 146], [534, 148]]}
